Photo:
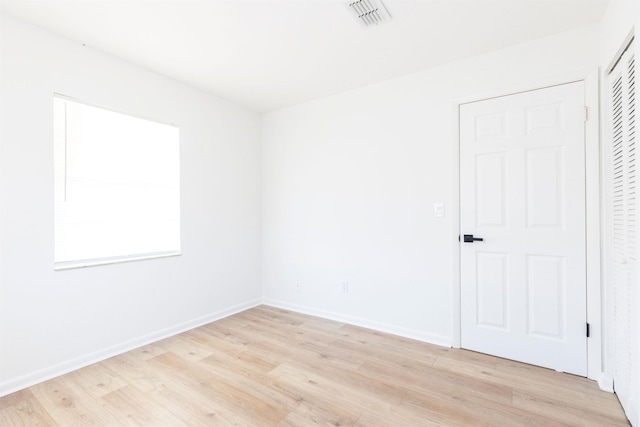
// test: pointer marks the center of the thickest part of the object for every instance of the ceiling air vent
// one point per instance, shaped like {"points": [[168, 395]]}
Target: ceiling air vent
{"points": [[370, 12]]}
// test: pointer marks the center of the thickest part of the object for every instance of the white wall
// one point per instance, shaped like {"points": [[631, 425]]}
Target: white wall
{"points": [[50, 321], [349, 184], [622, 18]]}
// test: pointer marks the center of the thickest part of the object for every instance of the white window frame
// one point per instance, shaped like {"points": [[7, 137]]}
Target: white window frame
{"points": [[163, 226]]}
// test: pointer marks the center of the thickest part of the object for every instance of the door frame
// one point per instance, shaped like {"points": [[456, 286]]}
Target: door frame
{"points": [[593, 167]]}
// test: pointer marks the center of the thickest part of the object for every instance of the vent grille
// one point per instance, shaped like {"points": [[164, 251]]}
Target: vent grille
{"points": [[370, 12]]}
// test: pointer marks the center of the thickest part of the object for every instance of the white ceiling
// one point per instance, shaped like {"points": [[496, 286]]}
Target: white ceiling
{"points": [[266, 54]]}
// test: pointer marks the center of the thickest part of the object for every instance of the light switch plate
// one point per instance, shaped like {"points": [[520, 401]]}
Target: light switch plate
{"points": [[438, 210]]}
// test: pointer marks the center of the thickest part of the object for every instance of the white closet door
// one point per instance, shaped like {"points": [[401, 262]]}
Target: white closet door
{"points": [[626, 300]]}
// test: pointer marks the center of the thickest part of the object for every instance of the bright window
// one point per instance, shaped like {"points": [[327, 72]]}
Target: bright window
{"points": [[117, 186]]}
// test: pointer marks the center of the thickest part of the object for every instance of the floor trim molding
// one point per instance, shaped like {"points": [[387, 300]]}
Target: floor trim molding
{"points": [[365, 323], [19, 383]]}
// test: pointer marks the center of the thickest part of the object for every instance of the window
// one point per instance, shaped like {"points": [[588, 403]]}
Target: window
{"points": [[117, 186]]}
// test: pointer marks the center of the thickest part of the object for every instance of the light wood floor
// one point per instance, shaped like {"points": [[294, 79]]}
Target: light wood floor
{"points": [[270, 367]]}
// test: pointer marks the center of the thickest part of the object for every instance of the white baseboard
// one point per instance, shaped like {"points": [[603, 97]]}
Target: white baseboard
{"points": [[605, 382], [633, 413], [19, 383], [365, 323]]}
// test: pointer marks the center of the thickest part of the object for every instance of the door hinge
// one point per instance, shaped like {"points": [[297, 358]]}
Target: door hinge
{"points": [[587, 330], [586, 113]]}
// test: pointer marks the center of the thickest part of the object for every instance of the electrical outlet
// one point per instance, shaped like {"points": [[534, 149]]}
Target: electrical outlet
{"points": [[298, 286], [345, 287]]}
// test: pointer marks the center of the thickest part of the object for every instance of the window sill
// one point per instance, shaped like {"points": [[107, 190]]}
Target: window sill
{"points": [[69, 265]]}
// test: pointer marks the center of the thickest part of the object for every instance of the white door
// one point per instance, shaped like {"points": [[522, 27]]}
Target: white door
{"points": [[522, 190], [625, 340]]}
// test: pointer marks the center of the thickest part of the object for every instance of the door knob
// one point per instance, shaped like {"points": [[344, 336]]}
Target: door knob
{"points": [[468, 238]]}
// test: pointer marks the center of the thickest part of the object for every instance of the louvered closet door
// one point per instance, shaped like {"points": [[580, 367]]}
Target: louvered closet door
{"points": [[625, 234]]}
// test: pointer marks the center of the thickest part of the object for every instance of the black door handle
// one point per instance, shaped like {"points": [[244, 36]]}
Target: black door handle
{"points": [[468, 238]]}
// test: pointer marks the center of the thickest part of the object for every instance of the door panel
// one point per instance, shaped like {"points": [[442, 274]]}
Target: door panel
{"points": [[492, 298], [545, 287], [490, 194], [543, 187], [522, 185]]}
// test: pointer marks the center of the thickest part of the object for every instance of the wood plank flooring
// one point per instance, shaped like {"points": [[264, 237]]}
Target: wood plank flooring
{"points": [[271, 367]]}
